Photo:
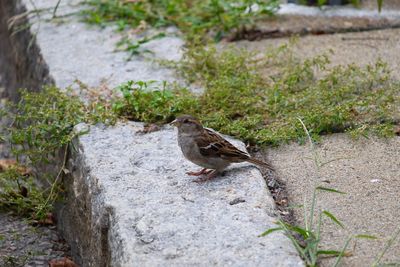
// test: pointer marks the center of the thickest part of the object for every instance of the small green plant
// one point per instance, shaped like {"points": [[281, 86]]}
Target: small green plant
{"points": [[20, 193], [153, 102], [135, 47], [43, 123], [311, 233], [239, 99], [307, 239], [193, 17], [42, 127], [380, 3], [389, 243], [13, 261]]}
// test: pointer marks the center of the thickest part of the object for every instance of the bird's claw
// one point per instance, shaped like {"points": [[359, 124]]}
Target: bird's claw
{"points": [[211, 175], [203, 171]]}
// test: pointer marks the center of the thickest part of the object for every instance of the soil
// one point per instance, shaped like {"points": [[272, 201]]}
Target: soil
{"points": [[360, 48], [22, 244], [386, 4], [368, 171]]}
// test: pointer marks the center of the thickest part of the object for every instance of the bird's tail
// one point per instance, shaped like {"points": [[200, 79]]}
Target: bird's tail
{"points": [[261, 163]]}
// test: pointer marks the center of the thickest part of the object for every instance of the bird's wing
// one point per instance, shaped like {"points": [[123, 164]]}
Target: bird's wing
{"points": [[212, 144]]}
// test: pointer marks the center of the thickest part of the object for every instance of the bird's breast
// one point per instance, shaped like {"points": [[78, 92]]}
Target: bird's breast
{"points": [[189, 148]]}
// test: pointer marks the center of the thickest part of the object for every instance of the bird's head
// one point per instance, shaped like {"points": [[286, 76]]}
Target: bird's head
{"points": [[187, 124]]}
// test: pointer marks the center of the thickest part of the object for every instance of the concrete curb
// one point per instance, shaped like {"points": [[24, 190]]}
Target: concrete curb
{"points": [[131, 204], [129, 201]]}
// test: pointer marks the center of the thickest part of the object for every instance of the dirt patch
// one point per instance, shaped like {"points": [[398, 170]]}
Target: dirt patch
{"points": [[360, 48], [386, 4], [22, 244], [368, 171]]}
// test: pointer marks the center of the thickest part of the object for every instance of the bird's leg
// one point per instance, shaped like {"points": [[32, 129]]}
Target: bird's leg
{"points": [[211, 174], [203, 171]]}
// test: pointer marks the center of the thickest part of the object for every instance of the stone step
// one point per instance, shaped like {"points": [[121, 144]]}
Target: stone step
{"points": [[129, 201]]}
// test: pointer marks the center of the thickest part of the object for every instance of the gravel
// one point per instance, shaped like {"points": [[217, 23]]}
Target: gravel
{"points": [[22, 244]]}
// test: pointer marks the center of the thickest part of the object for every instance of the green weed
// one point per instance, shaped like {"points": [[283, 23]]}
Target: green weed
{"points": [[307, 239], [43, 122], [135, 47], [389, 243], [310, 234], [217, 17], [153, 102], [42, 127], [239, 99], [22, 195]]}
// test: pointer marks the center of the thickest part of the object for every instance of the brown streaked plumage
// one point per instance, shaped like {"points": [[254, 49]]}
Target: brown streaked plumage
{"points": [[208, 149]]}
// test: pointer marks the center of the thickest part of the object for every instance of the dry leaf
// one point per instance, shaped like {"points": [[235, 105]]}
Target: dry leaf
{"points": [[23, 191], [62, 263], [7, 164], [397, 130], [49, 220], [149, 128]]}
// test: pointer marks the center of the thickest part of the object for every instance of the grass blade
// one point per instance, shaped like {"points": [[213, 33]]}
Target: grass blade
{"points": [[333, 218], [366, 236], [293, 207], [299, 230], [342, 252], [271, 230], [387, 246], [312, 209], [380, 2], [328, 252], [321, 188], [296, 244], [303, 232]]}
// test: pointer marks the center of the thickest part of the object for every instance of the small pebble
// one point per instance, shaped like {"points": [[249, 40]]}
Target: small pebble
{"points": [[237, 201]]}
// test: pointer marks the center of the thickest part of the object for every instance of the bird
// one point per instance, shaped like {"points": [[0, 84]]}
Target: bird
{"points": [[208, 149]]}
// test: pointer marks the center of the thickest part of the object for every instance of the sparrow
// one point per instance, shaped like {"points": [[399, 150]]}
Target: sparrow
{"points": [[208, 149]]}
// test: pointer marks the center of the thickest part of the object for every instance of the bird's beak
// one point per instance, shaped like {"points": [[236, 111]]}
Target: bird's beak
{"points": [[174, 122]]}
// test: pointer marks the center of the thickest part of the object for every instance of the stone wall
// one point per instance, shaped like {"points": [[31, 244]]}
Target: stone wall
{"points": [[21, 62], [128, 201]]}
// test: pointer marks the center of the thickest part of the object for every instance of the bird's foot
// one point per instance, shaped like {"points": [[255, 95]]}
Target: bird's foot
{"points": [[210, 175], [203, 171]]}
